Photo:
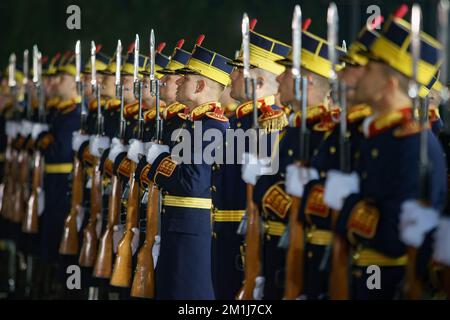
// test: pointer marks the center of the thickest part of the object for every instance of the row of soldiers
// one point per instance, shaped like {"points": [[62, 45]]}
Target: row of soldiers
{"points": [[91, 177]]}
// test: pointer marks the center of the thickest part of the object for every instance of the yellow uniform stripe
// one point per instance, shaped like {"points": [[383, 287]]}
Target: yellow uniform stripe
{"points": [[319, 237], [275, 228], [187, 202], [58, 168], [228, 215], [367, 257]]}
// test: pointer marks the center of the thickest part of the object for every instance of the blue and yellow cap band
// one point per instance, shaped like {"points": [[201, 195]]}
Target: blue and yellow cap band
{"points": [[161, 62], [394, 46], [364, 40], [128, 66], [178, 60], [264, 53], [209, 64], [315, 55], [101, 63]]}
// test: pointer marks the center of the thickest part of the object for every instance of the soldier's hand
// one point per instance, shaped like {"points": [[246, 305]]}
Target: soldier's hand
{"points": [[297, 177], [11, 129], [116, 148], [442, 242], [338, 186], [253, 168], [136, 148], [155, 150], [415, 221], [78, 139], [97, 144]]}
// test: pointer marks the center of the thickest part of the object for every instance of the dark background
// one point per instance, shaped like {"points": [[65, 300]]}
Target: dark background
{"points": [[26, 22]]}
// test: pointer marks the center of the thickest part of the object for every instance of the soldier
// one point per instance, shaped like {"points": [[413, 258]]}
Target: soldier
{"points": [[184, 265], [370, 202], [58, 156], [229, 207]]}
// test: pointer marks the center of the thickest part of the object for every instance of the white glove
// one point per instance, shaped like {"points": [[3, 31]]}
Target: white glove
{"points": [[415, 221], [442, 242], [253, 168], [135, 240], [37, 129], [339, 186], [297, 177], [26, 127], [155, 150], [78, 139], [155, 250], [98, 144], [116, 148], [258, 291], [11, 129], [135, 148], [117, 235]]}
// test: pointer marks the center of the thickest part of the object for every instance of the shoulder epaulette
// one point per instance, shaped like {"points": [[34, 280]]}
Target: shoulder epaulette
{"points": [[93, 104], [173, 109], [130, 110], [217, 114], [247, 107], [112, 104], [200, 111], [358, 113], [53, 102], [149, 115], [272, 119], [315, 113], [68, 105], [390, 120]]}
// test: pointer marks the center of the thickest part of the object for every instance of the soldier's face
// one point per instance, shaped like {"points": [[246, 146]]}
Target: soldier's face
{"points": [[128, 95], [53, 87], [87, 86], [108, 86], [237, 91], [371, 87], [351, 75], [286, 87], [187, 89], [169, 86], [67, 86]]}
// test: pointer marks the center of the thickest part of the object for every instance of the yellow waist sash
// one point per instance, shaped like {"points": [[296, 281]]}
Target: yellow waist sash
{"points": [[275, 228], [54, 168], [228, 215], [367, 257], [319, 237], [187, 202]]}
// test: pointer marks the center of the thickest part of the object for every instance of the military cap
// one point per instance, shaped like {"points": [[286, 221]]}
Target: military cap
{"points": [[101, 62], [161, 61], [128, 66], [178, 59], [50, 67]]}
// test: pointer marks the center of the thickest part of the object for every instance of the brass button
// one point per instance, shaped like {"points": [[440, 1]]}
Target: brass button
{"points": [[310, 254], [218, 166], [163, 210], [323, 174], [374, 153], [332, 149], [214, 235], [239, 125], [213, 188], [290, 152], [193, 126]]}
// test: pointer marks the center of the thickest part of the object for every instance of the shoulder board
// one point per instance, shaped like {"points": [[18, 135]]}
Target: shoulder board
{"points": [[358, 113], [315, 113], [173, 110], [408, 129], [247, 107], [131, 109], [183, 116], [276, 200], [200, 111], [217, 114], [390, 120], [53, 102], [149, 115], [63, 105], [112, 104]]}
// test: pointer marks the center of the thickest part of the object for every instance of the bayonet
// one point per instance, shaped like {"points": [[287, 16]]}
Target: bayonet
{"points": [[138, 88], [119, 89]]}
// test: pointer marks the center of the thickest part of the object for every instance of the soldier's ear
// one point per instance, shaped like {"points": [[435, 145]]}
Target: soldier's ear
{"points": [[201, 84]]}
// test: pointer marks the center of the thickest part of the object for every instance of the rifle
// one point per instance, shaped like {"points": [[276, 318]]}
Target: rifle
{"points": [[103, 264], [339, 281], [122, 270], [22, 185], [413, 286], [252, 267], [88, 251], [69, 241], [144, 279], [295, 253], [30, 222]]}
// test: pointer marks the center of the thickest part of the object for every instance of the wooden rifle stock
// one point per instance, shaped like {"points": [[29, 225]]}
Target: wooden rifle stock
{"points": [[69, 240], [295, 254], [90, 241], [339, 281], [4, 205], [30, 222], [122, 270], [21, 188], [10, 194], [103, 264], [413, 285], [144, 277], [252, 267]]}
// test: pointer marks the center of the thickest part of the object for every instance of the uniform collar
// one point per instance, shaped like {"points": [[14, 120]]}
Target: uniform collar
{"points": [[93, 104], [247, 107], [376, 124], [358, 112], [314, 114], [53, 102], [173, 109], [112, 104], [66, 104]]}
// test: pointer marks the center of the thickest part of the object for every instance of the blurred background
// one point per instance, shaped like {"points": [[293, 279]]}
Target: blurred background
{"points": [[24, 22]]}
